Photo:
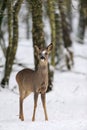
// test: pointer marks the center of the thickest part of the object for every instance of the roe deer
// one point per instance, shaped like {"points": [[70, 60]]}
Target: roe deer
{"points": [[34, 81]]}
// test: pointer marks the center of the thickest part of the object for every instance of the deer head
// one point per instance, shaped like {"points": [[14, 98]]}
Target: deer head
{"points": [[42, 54]]}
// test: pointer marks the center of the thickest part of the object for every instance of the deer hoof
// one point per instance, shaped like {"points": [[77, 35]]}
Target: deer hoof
{"points": [[46, 119], [33, 119], [22, 118]]}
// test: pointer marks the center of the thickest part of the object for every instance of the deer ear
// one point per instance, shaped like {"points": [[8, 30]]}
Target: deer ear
{"points": [[49, 48], [36, 49]]}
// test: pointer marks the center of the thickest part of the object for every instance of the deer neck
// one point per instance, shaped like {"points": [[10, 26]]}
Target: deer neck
{"points": [[42, 69]]}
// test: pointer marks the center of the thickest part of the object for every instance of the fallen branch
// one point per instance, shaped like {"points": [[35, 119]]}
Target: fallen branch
{"points": [[80, 56], [77, 72], [21, 64], [61, 69]]}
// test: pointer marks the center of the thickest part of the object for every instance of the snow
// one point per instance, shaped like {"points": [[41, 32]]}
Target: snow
{"points": [[66, 104]]}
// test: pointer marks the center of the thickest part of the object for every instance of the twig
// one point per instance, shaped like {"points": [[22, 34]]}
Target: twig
{"points": [[80, 56], [76, 72]]}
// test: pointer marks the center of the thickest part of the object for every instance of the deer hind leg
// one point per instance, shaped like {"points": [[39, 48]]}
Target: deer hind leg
{"points": [[43, 98], [21, 109], [35, 105], [22, 96]]}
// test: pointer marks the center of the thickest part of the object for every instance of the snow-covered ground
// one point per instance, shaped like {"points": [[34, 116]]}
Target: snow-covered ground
{"points": [[66, 104]]}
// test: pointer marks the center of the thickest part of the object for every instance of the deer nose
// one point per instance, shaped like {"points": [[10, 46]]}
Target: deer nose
{"points": [[42, 57]]}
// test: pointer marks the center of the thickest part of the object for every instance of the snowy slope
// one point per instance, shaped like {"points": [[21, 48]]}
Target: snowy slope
{"points": [[66, 104]]}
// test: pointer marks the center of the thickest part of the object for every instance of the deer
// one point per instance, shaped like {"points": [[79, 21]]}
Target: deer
{"points": [[35, 81]]}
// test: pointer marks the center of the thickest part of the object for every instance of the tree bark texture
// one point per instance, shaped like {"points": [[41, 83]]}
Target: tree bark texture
{"points": [[3, 7], [37, 31], [13, 41], [82, 20], [59, 38], [51, 12], [2, 41], [65, 24]]}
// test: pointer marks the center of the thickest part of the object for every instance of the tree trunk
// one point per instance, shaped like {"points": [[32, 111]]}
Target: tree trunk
{"points": [[2, 9], [82, 20], [51, 12], [65, 24], [11, 50], [27, 20], [59, 38], [66, 35], [37, 31], [67, 3]]}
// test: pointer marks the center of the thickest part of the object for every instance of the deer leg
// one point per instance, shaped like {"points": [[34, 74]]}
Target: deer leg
{"points": [[27, 93], [35, 105], [21, 109], [43, 98]]}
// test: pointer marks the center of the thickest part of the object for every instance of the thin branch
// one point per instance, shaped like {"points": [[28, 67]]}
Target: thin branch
{"points": [[21, 64], [72, 71], [80, 56]]}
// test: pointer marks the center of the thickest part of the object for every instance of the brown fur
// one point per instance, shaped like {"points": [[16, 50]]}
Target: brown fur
{"points": [[34, 81]]}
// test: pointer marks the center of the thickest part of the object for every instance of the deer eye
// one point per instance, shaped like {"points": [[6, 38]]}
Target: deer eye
{"points": [[39, 54], [46, 53]]}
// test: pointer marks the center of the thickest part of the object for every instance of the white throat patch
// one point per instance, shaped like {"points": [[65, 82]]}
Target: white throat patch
{"points": [[42, 60]]}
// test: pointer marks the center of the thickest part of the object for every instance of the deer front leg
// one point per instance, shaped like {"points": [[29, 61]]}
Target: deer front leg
{"points": [[43, 98], [35, 105]]}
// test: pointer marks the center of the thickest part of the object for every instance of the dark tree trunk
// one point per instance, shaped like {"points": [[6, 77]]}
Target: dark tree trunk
{"points": [[59, 38], [27, 20], [7, 65], [66, 34], [65, 25], [37, 31], [2, 9], [82, 20], [13, 41], [51, 13], [68, 5]]}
